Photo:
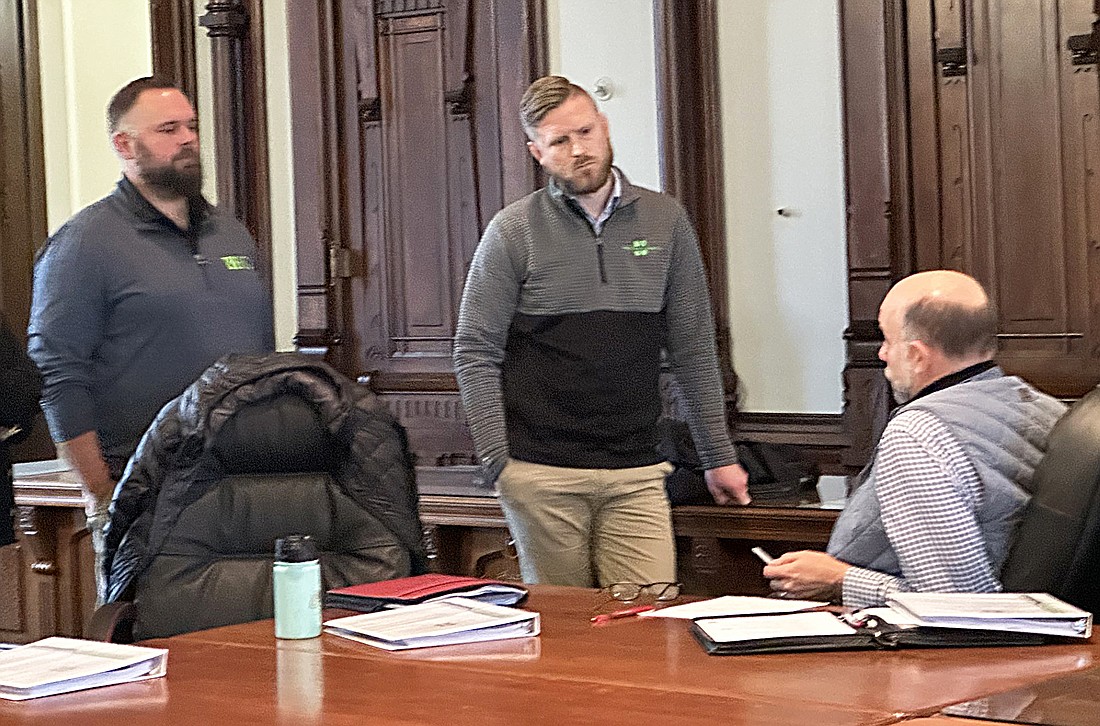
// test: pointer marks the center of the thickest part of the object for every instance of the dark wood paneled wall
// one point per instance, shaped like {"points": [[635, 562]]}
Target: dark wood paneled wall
{"points": [[406, 145], [22, 181], [236, 35], [877, 209], [22, 164], [898, 200], [689, 116], [172, 32], [971, 143], [1004, 104], [905, 210]]}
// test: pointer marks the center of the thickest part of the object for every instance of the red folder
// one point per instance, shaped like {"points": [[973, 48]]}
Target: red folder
{"points": [[372, 596]]}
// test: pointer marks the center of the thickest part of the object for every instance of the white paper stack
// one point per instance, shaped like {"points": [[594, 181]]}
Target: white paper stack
{"points": [[60, 665], [439, 622], [1020, 612]]}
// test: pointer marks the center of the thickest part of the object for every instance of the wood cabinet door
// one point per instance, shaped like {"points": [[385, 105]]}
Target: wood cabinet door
{"points": [[406, 143], [1005, 144]]}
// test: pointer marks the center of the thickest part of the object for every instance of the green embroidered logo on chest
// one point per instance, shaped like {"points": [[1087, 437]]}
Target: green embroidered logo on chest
{"points": [[238, 262], [639, 248]]}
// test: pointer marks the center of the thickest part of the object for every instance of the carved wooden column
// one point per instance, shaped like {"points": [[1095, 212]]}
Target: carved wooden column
{"points": [[879, 250], [48, 575], [172, 31], [22, 172], [691, 146], [235, 28], [321, 244]]}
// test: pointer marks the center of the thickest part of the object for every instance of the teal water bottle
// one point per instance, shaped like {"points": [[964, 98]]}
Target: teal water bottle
{"points": [[296, 581]]}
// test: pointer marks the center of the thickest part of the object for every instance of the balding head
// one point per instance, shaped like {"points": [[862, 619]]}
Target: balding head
{"points": [[947, 310], [943, 320]]}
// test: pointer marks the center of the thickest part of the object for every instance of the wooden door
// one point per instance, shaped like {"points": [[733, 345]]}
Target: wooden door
{"points": [[1005, 145], [406, 143]]}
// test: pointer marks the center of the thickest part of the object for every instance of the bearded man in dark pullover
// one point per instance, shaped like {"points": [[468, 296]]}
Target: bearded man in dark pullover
{"points": [[139, 293]]}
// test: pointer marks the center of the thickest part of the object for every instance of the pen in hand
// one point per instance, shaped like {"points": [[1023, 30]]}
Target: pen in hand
{"points": [[628, 612], [764, 556]]}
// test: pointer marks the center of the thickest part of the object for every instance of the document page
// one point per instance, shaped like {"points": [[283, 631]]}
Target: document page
{"points": [[985, 605], [1011, 611], [57, 665], [795, 625], [440, 622], [732, 605], [495, 594]]}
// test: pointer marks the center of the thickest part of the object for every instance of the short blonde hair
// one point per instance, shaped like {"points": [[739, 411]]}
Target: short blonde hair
{"points": [[542, 97]]}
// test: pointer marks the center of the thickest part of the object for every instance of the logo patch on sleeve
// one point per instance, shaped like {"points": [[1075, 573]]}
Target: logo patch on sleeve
{"points": [[238, 262]]}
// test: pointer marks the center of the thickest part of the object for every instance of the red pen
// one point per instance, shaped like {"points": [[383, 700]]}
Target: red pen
{"points": [[628, 612]]}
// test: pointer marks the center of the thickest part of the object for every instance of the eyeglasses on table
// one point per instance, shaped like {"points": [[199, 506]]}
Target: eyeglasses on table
{"points": [[630, 591]]}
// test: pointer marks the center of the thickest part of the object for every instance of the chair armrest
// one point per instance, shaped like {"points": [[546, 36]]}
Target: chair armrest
{"points": [[112, 623]]}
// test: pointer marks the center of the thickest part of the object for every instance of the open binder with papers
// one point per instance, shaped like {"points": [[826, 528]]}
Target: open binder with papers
{"points": [[1027, 612], [893, 627], [440, 622], [61, 665]]}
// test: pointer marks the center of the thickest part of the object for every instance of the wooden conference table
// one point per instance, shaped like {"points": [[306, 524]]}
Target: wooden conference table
{"points": [[631, 671]]}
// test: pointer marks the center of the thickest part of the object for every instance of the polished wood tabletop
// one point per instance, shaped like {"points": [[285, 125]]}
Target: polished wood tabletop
{"points": [[1068, 700], [950, 721], [631, 671]]}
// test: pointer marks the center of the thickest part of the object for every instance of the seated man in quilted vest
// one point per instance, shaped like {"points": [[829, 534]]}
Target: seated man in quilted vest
{"points": [[937, 507]]}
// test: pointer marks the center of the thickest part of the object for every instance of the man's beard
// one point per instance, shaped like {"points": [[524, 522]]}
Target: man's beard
{"points": [[901, 389], [578, 185], [186, 182]]}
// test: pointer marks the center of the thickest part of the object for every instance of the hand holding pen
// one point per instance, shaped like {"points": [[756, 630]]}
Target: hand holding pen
{"points": [[762, 554]]}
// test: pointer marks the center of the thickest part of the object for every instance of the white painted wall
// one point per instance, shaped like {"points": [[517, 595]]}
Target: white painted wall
{"points": [[783, 146], [87, 51], [613, 39], [280, 173], [783, 149], [204, 106]]}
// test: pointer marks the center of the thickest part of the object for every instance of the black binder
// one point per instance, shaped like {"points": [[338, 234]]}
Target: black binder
{"points": [[860, 632]]}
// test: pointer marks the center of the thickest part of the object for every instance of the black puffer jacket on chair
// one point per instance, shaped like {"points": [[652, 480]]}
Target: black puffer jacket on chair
{"points": [[257, 448]]}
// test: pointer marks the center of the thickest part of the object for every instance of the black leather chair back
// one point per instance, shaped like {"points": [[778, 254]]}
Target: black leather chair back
{"points": [[1057, 547], [215, 566], [281, 434]]}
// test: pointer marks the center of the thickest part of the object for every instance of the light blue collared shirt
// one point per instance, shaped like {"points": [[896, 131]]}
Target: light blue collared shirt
{"points": [[612, 202]]}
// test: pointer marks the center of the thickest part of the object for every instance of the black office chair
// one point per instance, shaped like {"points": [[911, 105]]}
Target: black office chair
{"points": [[1057, 547], [286, 449]]}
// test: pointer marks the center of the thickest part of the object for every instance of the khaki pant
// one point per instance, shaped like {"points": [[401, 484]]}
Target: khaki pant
{"points": [[589, 527]]}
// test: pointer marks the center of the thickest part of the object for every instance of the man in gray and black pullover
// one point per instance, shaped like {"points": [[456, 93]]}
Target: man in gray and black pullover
{"points": [[572, 295]]}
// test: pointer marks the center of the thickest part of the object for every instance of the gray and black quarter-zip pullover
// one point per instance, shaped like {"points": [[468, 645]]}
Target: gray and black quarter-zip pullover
{"points": [[560, 333]]}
